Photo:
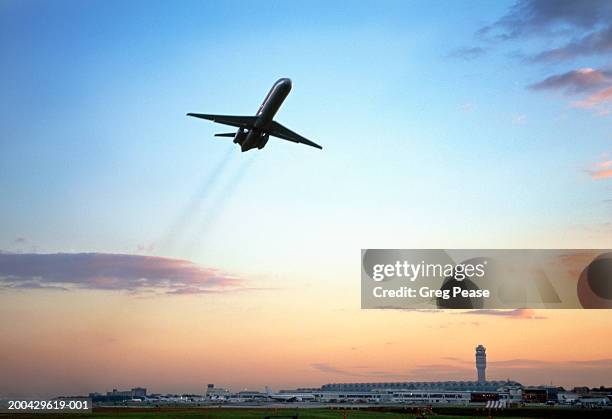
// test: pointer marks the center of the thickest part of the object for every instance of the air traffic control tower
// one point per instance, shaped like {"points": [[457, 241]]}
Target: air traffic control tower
{"points": [[481, 363]]}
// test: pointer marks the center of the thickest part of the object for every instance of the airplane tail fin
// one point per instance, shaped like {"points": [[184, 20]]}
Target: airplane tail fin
{"points": [[228, 134]]}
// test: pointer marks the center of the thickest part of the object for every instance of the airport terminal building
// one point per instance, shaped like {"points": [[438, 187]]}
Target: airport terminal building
{"points": [[421, 385], [480, 385]]}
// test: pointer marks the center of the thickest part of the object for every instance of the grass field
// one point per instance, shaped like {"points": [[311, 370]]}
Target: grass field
{"points": [[261, 413], [258, 414], [233, 413]]}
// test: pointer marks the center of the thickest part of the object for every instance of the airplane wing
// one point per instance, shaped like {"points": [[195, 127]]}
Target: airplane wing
{"points": [[277, 130], [233, 120]]}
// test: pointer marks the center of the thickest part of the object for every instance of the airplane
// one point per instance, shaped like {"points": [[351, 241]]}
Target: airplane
{"points": [[254, 131], [291, 397]]}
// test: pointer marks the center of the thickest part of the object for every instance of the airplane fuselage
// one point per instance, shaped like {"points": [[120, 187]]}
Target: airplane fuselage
{"points": [[254, 131], [257, 137]]}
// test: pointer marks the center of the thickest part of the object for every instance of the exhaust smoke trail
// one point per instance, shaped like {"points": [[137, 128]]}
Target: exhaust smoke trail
{"points": [[216, 207], [190, 210]]}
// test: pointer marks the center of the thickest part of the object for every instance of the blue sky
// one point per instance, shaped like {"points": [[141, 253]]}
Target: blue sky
{"points": [[422, 147]]}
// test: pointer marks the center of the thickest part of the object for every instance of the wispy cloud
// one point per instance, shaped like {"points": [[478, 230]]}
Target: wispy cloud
{"points": [[582, 81], [145, 248], [601, 170], [37, 285], [467, 106], [519, 119], [596, 99], [594, 363], [467, 53], [107, 271], [575, 81], [598, 42], [422, 310], [538, 363], [329, 369], [544, 17], [519, 313], [581, 28], [441, 372], [455, 359], [601, 174], [607, 163], [519, 363]]}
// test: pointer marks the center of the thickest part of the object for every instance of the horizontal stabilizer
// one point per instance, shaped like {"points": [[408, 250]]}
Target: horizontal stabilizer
{"points": [[228, 134]]}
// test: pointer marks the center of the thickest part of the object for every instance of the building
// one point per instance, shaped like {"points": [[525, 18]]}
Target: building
{"points": [[592, 401], [421, 385], [119, 394], [246, 395], [481, 385], [139, 392], [484, 396], [420, 397], [481, 363], [216, 393], [535, 395]]}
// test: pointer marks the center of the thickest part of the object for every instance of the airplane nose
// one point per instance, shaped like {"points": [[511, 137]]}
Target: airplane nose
{"points": [[286, 83]]}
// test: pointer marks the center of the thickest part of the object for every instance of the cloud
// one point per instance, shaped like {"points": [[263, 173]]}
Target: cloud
{"points": [[37, 285], [329, 369], [581, 81], [191, 291], [537, 363], [607, 163], [145, 248], [519, 363], [519, 313], [575, 81], [597, 99], [437, 372], [519, 119], [467, 107], [435, 367], [107, 271], [582, 28], [467, 53], [595, 43], [601, 170], [594, 363], [577, 29], [455, 359], [537, 17], [422, 310], [601, 174]]}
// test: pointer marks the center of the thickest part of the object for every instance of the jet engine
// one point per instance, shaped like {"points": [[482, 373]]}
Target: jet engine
{"points": [[264, 141], [240, 136]]}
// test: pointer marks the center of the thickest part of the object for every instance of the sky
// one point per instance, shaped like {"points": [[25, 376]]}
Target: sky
{"points": [[136, 249]]}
